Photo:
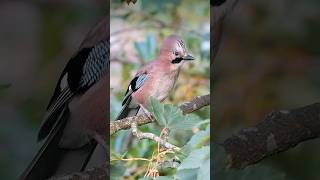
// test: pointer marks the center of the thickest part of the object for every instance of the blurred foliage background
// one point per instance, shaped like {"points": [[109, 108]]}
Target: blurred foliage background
{"points": [[37, 38], [136, 33], [269, 60]]}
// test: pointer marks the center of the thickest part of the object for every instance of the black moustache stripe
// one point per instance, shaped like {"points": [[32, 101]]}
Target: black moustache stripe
{"points": [[217, 2], [177, 60]]}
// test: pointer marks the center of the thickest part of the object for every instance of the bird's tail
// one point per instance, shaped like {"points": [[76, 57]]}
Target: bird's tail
{"points": [[52, 160], [129, 109]]}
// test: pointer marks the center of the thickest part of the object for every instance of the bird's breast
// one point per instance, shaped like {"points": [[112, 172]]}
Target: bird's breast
{"points": [[163, 86], [159, 84]]}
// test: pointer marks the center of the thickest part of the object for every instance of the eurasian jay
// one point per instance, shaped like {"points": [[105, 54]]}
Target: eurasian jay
{"points": [[156, 78], [75, 124]]}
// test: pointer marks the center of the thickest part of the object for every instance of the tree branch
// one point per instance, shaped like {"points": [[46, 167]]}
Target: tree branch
{"points": [[125, 123], [196, 103], [279, 131], [140, 135], [188, 107]]}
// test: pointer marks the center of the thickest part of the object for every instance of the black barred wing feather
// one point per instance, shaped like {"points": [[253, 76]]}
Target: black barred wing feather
{"points": [[96, 64], [82, 71]]}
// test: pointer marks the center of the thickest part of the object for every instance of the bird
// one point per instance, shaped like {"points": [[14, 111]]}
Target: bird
{"points": [[74, 128], [157, 78]]}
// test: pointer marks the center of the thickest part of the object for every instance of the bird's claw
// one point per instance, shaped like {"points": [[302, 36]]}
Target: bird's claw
{"points": [[147, 113]]}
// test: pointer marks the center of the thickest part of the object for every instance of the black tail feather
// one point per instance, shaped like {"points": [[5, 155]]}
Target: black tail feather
{"points": [[52, 160], [129, 109]]}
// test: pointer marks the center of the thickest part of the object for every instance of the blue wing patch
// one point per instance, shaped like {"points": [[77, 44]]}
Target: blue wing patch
{"points": [[140, 81], [135, 84]]}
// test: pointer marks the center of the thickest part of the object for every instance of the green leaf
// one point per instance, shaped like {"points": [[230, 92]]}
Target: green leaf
{"points": [[187, 174], [116, 171], [196, 158], [176, 120], [173, 115], [164, 178], [157, 109], [119, 141], [187, 123], [204, 171], [184, 152], [203, 123], [199, 138]]}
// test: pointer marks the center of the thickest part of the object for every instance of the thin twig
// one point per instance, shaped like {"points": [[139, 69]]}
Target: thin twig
{"points": [[140, 135]]}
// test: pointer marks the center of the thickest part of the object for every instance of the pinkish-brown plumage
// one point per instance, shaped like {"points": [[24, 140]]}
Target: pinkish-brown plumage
{"points": [[161, 80], [157, 78]]}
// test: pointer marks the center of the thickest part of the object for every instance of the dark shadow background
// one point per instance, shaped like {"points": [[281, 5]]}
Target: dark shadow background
{"points": [[37, 38], [269, 59]]}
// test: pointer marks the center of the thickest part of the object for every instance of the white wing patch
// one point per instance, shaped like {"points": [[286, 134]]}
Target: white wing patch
{"points": [[64, 82]]}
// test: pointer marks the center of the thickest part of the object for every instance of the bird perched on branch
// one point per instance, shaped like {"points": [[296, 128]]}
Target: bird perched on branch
{"points": [[76, 117], [156, 78]]}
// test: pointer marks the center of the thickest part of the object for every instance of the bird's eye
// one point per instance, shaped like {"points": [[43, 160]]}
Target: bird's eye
{"points": [[176, 53]]}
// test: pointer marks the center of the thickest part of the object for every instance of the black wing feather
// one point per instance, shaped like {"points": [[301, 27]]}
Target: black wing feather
{"points": [[72, 69], [82, 71], [134, 85]]}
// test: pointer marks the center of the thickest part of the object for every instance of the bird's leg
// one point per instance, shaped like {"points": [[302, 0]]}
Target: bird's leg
{"points": [[147, 112]]}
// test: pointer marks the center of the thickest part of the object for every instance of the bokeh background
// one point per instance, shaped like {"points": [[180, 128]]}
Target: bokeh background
{"points": [[136, 33], [37, 38], [269, 59]]}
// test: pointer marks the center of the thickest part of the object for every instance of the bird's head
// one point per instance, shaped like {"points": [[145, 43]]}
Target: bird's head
{"points": [[174, 51]]}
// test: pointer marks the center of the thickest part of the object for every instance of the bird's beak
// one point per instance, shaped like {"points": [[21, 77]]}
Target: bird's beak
{"points": [[188, 57]]}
